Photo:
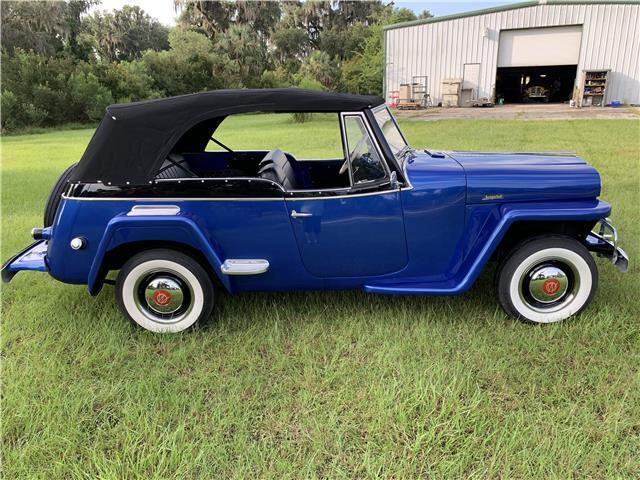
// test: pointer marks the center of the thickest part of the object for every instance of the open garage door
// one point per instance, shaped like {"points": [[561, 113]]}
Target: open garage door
{"points": [[538, 65]]}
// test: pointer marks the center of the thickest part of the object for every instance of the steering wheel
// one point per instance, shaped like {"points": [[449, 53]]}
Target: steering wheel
{"points": [[352, 157]]}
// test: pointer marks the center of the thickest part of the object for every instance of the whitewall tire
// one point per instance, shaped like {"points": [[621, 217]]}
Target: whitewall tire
{"points": [[164, 291], [547, 279]]}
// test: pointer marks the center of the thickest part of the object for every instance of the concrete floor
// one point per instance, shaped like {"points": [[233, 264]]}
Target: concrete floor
{"points": [[556, 111]]}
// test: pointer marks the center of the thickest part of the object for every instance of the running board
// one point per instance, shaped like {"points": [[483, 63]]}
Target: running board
{"points": [[234, 266]]}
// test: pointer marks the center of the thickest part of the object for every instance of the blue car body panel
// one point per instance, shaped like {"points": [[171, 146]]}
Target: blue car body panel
{"points": [[344, 235], [492, 231]]}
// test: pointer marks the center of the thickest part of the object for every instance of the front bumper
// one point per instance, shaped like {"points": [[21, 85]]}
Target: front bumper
{"points": [[603, 241], [31, 258]]}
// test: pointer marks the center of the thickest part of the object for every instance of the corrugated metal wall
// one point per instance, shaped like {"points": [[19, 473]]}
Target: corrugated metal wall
{"points": [[610, 40]]}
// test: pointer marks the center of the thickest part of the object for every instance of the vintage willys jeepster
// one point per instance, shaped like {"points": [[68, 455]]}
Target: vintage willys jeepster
{"points": [[148, 198]]}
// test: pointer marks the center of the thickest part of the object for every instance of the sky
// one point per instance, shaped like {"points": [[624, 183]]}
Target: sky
{"points": [[164, 11]]}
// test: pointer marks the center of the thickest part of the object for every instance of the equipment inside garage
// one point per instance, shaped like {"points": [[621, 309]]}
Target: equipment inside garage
{"points": [[552, 84], [538, 64]]}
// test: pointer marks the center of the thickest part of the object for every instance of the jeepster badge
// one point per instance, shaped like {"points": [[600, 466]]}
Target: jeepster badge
{"points": [[493, 196]]}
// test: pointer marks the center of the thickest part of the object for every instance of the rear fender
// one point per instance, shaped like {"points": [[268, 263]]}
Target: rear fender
{"points": [[123, 229]]}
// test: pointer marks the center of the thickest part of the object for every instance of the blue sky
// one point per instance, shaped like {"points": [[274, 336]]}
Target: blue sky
{"points": [[164, 11], [448, 8]]}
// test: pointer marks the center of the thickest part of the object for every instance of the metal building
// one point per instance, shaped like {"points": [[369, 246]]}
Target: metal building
{"points": [[548, 51]]}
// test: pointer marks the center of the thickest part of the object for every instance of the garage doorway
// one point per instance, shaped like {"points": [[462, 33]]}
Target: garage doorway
{"points": [[538, 65], [552, 84]]}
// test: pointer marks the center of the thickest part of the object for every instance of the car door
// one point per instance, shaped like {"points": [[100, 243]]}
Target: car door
{"points": [[356, 231]]}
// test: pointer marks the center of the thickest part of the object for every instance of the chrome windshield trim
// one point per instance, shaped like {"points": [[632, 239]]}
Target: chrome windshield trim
{"points": [[374, 140]]}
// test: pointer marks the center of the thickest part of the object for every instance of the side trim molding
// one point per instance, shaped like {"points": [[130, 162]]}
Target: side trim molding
{"points": [[234, 266], [153, 210]]}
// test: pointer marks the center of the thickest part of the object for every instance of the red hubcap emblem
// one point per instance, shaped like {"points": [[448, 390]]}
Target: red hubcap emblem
{"points": [[551, 286], [161, 297]]}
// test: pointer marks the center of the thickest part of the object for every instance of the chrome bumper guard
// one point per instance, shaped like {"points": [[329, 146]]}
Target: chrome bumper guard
{"points": [[603, 240]]}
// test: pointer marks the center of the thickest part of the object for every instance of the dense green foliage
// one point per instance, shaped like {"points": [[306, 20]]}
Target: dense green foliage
{"points": [[62, 64], [337, 385]]}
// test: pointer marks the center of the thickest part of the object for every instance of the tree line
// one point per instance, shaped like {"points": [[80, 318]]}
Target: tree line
{"points": [[66, 61]]}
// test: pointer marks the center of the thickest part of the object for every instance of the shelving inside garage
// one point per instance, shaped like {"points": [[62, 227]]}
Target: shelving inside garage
{"points": [[594, 88]]}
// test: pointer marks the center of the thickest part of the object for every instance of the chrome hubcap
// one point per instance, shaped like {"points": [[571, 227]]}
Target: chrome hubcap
{"points": [[164, 295], [548, 283]]}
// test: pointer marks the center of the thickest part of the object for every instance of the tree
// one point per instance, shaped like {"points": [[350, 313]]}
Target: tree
{"points": [[190, 65], [127, 81], [46, 28], [206, 17], [125, 34], [37, 26], [214, 18], [363, 74], [242, 46], [291, 45], [86, 98], [74, 11], [321, 68]]}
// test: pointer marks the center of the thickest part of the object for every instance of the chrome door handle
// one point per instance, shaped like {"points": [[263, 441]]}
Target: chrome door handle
{"points": [[295, 214]]}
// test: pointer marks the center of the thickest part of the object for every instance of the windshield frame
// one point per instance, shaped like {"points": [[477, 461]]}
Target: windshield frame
{"points": [[400, 152]]}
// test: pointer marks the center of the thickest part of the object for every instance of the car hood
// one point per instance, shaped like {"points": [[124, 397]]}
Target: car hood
{"points": [[472, 159], [518, 177]]}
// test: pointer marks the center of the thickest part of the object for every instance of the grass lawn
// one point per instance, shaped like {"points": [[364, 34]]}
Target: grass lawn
{"points": [[334, 385]]}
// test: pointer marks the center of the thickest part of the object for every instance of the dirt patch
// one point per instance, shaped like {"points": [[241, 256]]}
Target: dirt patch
{"points": [[521, 112]]}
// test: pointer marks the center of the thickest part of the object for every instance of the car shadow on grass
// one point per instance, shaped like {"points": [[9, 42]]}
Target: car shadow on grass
{"points": [[253, 310], [245, 310]]}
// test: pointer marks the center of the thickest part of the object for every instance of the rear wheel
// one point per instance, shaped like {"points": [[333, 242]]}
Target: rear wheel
{"points": [[164, 291], [51, 207], [547, 279]]}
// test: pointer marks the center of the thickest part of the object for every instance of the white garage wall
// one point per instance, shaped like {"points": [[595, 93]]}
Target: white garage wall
{"points": [[610, 40]]}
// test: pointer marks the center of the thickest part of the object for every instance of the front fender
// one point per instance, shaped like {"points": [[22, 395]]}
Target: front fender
{"points": [[124, 229], [495, 230], [490, 231]]}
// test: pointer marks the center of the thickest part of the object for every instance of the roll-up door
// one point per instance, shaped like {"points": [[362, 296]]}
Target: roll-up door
{"points": [[532, 47]]}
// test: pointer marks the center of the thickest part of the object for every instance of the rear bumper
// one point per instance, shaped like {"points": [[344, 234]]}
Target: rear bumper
{"points": [[31, 258], [603, 241]]}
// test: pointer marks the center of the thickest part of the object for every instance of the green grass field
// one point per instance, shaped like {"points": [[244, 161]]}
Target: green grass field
{"points": [[321, 384]]}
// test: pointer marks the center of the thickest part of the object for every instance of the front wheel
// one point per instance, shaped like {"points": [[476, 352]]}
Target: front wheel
{"points": [[547, 279], [164, 291]]}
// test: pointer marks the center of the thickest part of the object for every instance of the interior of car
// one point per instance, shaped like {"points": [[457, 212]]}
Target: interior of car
{"points": [[190, 158], [275, 165]]}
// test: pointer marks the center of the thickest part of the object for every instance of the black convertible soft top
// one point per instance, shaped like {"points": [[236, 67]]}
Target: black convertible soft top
{"points": [[133, 139]]}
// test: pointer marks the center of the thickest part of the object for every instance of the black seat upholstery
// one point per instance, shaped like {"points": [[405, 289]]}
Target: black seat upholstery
{"points": [[276, 166], [171, 170]]}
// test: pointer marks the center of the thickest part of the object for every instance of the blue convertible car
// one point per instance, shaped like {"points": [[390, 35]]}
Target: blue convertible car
{"points": [[149, 199]]}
